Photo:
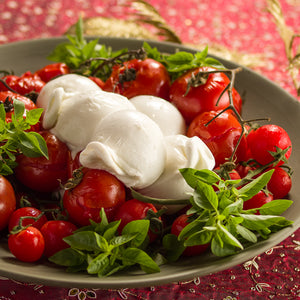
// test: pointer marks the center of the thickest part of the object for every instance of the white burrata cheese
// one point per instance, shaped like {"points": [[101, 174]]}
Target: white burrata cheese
{"points": [[182, 152], [75, 118], [70, 83], [129, 145], [164, 113]]}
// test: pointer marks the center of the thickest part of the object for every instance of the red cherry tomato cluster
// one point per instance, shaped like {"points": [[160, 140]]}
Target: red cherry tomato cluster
{"points": [[33, 232]]}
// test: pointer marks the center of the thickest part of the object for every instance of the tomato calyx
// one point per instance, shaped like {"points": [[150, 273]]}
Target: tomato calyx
{"points": [[128, 75], [156, 224], [74, 180], [8, 105]]}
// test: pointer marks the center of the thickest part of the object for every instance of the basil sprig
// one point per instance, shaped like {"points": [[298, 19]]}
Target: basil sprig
{"points": [[90, 58], [217, 215], [14, 139], [99, 249]]}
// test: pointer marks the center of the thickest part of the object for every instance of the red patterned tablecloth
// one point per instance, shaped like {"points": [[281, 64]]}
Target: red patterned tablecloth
{"points": [[244, 27]]}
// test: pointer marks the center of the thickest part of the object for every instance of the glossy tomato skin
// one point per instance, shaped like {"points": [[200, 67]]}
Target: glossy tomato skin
{"points": [[28, 245], [97, 189], [52, 70], [33, 212], [98, 81], [24, 84], [53, 232], [8, 79], [41, 174], [258, 200], [134, 209], [265, 139], [179, 223], [204, 97], [7, 202], [150, 77], [280, 183], [221, 135]]}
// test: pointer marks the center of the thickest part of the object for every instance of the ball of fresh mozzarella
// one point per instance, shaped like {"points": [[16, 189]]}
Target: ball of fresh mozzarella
{"points": [[78, 115], [70, 83], [182, 152], [164, 113], [129, 145]]}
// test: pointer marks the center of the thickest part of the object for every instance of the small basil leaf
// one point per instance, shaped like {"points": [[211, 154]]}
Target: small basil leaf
{"points": [[131, 256], [252, 188], [68, 257]]}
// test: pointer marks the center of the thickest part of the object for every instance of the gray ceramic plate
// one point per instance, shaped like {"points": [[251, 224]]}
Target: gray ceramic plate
{"points": [[263, 98]]}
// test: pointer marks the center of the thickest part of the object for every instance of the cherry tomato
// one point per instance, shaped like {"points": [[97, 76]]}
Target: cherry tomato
{"points": [[280, 183], [221, 135], [27, 245], [33, 217], [51, 71], [177, 226], [98, 81], [42, 174], [194, 100], [265, 139], [134, 209], [7, 201], [139, 77], [258, 200], [53, 232], [7, 98], [8, 79], [97, 189], [25, 84]]}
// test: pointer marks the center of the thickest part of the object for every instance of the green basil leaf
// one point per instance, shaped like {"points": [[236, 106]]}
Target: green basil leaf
{"points": [[223, 249], [252, 188], [2, 114], [152, 52], [68, 257], [246, 234], [19, 109], [173, 247], [191, 228], [89, 49], [98, 264], [33, 116], [101, 227], [235, 207], [192, 176], [32, 144], [87, 240], [227, 237], [180, 58], [260, 222], [199, 238], [205, 197], [212, 62], [131, 256], [275, 207], [122, 239], [111, 230], [139, 228]]}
